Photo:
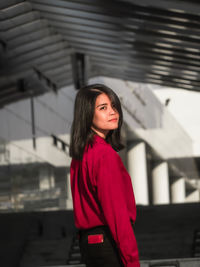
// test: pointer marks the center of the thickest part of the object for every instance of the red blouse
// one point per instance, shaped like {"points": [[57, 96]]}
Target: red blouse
{"points": [[103, 195]]}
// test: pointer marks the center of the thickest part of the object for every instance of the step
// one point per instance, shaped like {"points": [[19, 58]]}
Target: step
{"points": [[75, 249], [75, 256], [75, 262]]}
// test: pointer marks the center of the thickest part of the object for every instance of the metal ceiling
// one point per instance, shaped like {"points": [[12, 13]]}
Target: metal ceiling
{"points": [[138, 40]]}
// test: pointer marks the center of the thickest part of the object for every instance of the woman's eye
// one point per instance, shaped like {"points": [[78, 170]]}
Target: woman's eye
{"points": [[103, 108]]}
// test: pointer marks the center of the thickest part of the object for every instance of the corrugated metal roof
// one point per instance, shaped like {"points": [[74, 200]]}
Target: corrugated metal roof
{"points": [[145, 41]]}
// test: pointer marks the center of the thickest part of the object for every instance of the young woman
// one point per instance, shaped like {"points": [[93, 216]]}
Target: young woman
{"points": [[103, 199]]}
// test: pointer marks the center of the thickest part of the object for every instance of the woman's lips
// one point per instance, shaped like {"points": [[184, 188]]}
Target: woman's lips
{"points": [[113, 120]]}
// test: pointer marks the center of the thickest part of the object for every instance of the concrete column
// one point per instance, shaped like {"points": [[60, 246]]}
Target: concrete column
{"points": [[137, 168], [69, 202], [160, 184], [178, 191]]}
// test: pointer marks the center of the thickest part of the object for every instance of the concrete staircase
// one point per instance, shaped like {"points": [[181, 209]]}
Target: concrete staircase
{"points": [[196, 247], [74, 258], [165, 235]]}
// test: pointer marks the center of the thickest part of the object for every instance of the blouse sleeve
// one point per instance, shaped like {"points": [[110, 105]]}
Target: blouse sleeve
{"points": [[112, 200]]}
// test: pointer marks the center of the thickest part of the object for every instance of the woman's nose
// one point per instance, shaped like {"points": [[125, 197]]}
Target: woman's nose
{"points": [[112, 111]]}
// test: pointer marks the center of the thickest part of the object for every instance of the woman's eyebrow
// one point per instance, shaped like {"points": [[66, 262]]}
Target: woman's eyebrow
{"points": [[104, 104]]}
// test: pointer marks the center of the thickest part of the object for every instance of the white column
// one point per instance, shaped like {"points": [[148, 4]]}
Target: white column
{"points": [[178, 191], [69, 194], [160, 184], [137, 168]]}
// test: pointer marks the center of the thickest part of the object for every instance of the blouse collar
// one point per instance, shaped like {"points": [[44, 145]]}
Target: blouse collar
{"points": [[99, 139]]}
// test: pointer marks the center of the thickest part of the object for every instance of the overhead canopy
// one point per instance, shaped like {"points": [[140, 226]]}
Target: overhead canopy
{"points": [[48, 44]]}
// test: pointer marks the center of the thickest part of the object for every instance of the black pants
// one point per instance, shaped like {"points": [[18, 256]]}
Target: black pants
{"points": [[103, 254]]}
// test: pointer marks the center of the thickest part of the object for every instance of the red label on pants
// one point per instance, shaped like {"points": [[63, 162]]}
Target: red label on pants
{"points": [[93, 239]]}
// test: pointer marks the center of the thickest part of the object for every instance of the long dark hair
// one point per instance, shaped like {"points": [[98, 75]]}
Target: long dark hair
{"points": [[81, 132]]}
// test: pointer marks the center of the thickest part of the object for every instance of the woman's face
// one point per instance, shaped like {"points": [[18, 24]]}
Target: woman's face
{"points": [[106, 117]]}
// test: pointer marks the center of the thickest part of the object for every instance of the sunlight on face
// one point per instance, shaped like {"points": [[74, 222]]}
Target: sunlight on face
{"points": [[106, 117]]}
